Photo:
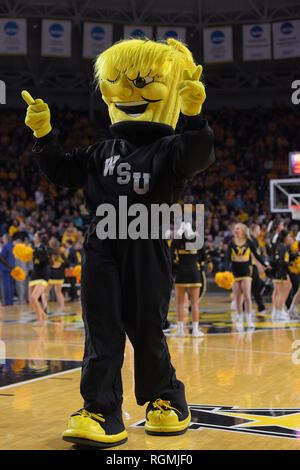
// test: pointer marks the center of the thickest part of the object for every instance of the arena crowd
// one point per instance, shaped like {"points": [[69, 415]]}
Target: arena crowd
{"points": [[251, 147]]}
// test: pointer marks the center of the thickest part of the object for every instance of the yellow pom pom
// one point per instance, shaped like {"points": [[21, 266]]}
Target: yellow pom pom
{"points": [[23, 252], [77, 272], [224, 280], [18, 274], [218, 278]]}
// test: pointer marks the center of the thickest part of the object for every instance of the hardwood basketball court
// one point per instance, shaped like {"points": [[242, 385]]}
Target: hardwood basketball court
{"points": [[243, 389]]}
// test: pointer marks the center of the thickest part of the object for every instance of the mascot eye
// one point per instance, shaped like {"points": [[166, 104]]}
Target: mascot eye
{"points": [[115, 80], [140, 82]]}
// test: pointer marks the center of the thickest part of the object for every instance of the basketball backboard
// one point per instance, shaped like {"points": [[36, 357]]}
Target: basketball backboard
{"points": [[284, 193]]}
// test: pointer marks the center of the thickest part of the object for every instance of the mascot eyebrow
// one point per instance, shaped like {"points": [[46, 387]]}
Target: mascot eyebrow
{"points": [[141, 58]]}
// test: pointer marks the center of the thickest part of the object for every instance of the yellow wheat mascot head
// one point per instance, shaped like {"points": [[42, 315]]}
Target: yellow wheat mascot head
{"points": [[137, 79]]}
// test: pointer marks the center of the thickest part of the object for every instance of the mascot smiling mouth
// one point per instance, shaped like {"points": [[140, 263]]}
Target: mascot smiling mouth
{"points": [[134, 108]]}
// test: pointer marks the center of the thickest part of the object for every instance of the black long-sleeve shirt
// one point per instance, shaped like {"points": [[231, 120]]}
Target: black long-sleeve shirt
{"points": [[145, 161]]}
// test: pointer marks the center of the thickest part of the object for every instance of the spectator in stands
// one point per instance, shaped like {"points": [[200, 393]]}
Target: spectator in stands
{"points": [[71, 261], [7, 280]]}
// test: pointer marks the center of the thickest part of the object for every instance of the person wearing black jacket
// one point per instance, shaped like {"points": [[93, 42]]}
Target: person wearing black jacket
{"points": [[126, 283], [256, 281], [71, 261]]}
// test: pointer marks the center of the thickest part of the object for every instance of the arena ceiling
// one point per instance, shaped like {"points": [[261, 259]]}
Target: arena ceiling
{"points": [[57, 76], [196, 13]]}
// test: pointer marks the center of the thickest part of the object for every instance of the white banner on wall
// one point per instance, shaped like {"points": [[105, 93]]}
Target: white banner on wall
{"points": [[13, 36], [286, 39], [167, 32], [96, 38], [217, 43], [138, 32], [257, 42], [56, 38]]}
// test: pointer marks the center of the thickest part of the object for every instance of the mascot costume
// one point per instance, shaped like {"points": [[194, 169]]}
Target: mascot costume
{"points": [[126, 283]]}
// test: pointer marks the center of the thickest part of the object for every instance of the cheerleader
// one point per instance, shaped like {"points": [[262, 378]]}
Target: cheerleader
{"points": [[57, 273], [40, 275], [274, 229], [256, 281], [188, 275], [239, 253], [281, 279], [294, 270]]}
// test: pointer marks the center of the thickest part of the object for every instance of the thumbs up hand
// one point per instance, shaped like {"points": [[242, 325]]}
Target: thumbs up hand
{"points": [[37, 116]]}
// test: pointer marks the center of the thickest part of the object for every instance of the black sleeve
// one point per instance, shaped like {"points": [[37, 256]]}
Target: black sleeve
{"points": [[41, 253], [293, 256], [228, 257], [193, 149], [255, 253], [173, 248], [64, 169], [3, 261], [72, 258], [282, 264], [204, 256]]}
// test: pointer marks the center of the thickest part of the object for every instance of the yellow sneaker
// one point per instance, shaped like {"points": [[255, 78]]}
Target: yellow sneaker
{"points": [[162, 419], [95, 429]]}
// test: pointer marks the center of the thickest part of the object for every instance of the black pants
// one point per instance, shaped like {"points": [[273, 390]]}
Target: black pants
{"points": [[295, 285], [126, 287], [256, 289]]}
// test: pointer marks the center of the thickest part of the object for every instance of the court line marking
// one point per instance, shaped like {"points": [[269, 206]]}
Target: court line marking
{"points": [[258, 330], [62, 343], [202, 426], [233, 349], [45, 359], [169, 345], [39, 378]]}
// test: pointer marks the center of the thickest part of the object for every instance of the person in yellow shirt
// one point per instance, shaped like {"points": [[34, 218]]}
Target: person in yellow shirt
{"points": [[242, 216], [13, 228]]}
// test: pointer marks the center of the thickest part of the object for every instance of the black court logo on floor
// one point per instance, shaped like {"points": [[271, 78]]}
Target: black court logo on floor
{"points": [[276, 422]]}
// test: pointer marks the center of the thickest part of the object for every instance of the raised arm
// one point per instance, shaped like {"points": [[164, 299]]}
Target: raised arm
{"points": [[193, 149], [64, 169]]}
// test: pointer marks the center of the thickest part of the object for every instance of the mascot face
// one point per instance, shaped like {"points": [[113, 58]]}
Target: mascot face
{"points": [[138, 80]]}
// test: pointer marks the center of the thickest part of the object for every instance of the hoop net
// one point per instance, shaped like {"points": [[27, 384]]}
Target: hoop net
{"points": [[295, 210]]}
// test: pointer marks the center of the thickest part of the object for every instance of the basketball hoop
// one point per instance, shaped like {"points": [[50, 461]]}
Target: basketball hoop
{"points": [[295, 210]]}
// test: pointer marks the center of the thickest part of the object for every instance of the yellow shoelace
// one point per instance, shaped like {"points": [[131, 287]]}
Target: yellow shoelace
{"points": [[88, 414], [160, 404]]}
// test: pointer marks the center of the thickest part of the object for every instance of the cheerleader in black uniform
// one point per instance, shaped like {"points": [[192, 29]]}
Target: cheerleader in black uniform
{"points": [[239, 252], [57, 273], [204, 259], [274, 229], [296, 284], [40, 275], [256, 282], [281, 279], [188, 275]]}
